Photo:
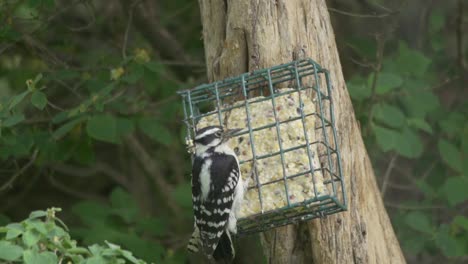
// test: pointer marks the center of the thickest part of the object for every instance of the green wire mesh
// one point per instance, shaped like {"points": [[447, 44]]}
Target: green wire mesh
{"points": [[304, 76]]}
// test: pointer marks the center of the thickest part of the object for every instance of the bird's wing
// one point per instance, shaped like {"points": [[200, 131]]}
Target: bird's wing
{"points": [[213, 213]]}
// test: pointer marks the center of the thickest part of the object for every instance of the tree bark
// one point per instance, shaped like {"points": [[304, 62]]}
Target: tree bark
{"points": [[245, 35]]}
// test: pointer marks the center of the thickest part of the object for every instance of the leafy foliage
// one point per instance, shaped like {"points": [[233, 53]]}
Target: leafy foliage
{"points": [[121, 221], [409, 120], [43, 238], [89, 120]]}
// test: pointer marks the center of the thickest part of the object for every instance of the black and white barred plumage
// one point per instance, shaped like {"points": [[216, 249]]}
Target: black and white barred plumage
{"points": [[217, 191]]}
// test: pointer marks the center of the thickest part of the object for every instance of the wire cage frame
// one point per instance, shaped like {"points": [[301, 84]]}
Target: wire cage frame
{"points": [[301, 77]]}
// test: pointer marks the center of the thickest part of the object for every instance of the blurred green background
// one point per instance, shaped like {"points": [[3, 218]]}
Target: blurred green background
{"points": [[90, 121]]}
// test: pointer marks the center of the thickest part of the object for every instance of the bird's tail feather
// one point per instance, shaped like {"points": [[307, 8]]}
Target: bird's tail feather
{"points": [[224, 252], [194, 242]]}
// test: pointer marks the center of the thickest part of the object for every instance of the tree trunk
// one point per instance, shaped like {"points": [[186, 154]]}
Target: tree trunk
{"points": [[245, 35]]}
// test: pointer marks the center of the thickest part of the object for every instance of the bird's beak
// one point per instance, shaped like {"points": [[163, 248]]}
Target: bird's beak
{"points": [[228, 133]]}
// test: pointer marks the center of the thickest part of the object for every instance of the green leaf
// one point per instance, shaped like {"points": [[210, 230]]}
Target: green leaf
{"points": [[39, 226], [124, 126], [8, 33], [438, 42], [154, 67], [31, 237], [419, 221], [152, 226], [453, 123], [436, 21], [461, 221], [84, 153], [33, 257], [91, 213], [10, 252], [446, 242], [103, 128], [364, 47], [129, 256], [64, 129], [386, 82], [454, 189], [60, 117], [183, 195], [13, 233], [13, 120], [419, 103], [37, 214], [389, 115], [112, 245], [409, 144], [153, 129], [414, 244], [136, 72], [450, 155], [420, 124], [17, 99], [96, 260], [124, 205], [39, 99], [426, 188], [464, 138], [358, 90], [4, 219], [386, 138], [66, 74], [411, 62]]}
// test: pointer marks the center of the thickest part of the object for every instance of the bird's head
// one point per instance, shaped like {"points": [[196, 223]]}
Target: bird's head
{"points": [[212, 136]]}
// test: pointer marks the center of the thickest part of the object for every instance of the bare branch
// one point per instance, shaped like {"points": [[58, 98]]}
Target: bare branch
{"points": [[387, 175], [414, 207], [64, 188], [147, 21], [20, 171], [341, 12], [100, 167], [90, 23], [127, 28], [379, 58], [459, 33], [151, 167]]}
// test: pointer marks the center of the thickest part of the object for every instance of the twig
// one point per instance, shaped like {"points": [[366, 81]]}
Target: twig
{"points": [[428, 171], [71, 89], [127, 29], [43, 51], [13, 201], [387, 175], [34, 30], [414, 207], [100, 167], [151, 167], [56, 107], [90, 23], [459, 32], [20, 171], [400, 186], [378, 67], [64, 188], [362, 64], [147, 21], [177, 13], [341, 12], [182, 63]]}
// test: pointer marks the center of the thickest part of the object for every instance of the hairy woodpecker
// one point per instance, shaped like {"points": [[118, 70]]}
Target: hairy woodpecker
{"points": [[217, 192]]}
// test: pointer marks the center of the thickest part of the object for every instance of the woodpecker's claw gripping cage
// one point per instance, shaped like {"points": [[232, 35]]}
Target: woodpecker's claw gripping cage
{"points": [[304, 87]]}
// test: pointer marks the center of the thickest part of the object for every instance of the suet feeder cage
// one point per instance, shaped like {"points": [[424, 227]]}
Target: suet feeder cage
{"points": [[287, 148]]}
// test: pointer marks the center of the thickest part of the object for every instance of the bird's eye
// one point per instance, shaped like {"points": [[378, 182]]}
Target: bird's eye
{"points": [[218, 134]]}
